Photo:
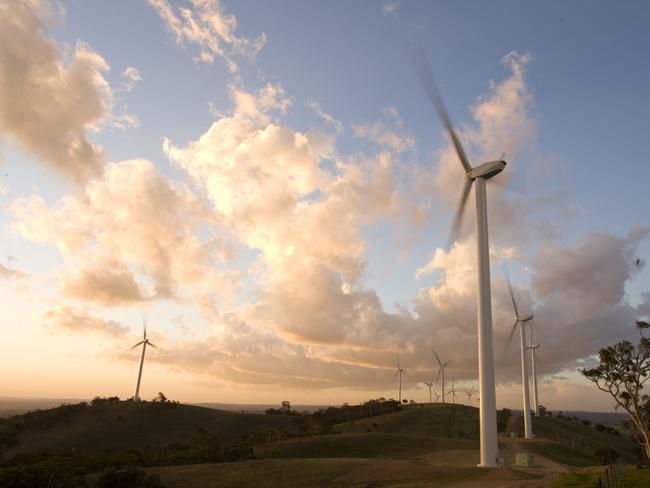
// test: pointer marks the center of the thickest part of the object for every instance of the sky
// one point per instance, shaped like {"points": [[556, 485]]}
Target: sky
{"points": [[267, 184]]}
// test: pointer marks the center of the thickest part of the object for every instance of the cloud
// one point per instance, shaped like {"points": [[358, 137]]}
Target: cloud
{"points": [[108, 283], [131, 77], [327, 118], [72, 320], [132, 221], [48, 106], [204, 23], [389, 8], [396, 138], [10, 273]]}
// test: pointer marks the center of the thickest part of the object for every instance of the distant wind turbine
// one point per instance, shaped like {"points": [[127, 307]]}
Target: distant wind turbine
{"points": [[437, 395], [520, 320], [453, 392], [479, 175], [399, 372], [441, 374], [145, 342], [469, 394], [430, 385], [532, 348]]}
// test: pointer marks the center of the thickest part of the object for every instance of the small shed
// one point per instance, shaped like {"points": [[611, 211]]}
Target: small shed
{"points": [[523, 459]]}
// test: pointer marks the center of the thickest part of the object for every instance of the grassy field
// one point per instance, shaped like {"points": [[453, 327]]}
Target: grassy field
{"points": [[129, 425], [436, 420], [631, 478], [562, 434], [314, 473], [418, 446], [375, 445]]}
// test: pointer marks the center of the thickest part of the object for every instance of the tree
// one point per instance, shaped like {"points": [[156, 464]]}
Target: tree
{"points": [[623, 371]]}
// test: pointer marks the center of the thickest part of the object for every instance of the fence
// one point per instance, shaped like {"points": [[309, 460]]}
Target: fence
{"points": [[611, 476]]}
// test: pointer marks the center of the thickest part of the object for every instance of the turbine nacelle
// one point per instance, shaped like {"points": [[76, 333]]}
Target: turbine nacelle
{"points": [[486, 170]]}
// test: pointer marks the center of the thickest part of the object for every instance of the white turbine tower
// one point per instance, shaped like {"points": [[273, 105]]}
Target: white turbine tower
{"points": [[532, 348], [520, 321], [441, 374], [479, 174], [399, 372], [145, 342]]}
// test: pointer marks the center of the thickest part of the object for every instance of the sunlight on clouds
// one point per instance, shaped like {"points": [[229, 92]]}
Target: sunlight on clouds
{"points": [[51, 115], [204, 23], [133, 219]]}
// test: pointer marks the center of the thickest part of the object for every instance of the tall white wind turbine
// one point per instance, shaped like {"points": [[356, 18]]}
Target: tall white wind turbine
{"points": [[532, 348], [521, 320], [441, 374], [479, 174], [399, 371], [145, 342]]}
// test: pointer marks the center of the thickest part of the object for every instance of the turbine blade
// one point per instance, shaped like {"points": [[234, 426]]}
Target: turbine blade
{"points": [[395, 375], [151, 344], [512, 295], [136, 345], [144, 327], [512, 333], [423, 70], [460, 211], [436, 355], [438, 375]]}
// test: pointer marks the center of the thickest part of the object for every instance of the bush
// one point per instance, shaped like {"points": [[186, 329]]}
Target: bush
{"points": [[600, 427]]}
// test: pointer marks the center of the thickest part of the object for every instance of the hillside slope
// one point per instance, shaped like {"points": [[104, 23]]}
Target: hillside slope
{"points": [[127, 425]]}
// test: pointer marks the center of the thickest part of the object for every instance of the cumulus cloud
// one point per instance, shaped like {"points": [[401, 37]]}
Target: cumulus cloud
{"points": [[133, 221], [48, 106], [73, 320], [205, 24]]}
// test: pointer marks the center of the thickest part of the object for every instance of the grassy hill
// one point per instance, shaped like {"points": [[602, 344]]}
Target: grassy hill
{"points": [[419, 445], [120, 426]]}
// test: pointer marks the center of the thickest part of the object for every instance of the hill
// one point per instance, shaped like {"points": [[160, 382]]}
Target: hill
{"points": [[120, 426]]}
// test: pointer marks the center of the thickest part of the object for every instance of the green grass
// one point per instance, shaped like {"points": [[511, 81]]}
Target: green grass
{"points": [[313, 473], [436, 420], [375, 445], [586, 441], [631, 478]]}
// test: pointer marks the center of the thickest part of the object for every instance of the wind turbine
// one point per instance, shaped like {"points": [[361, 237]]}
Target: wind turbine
{"points": [[441, 374], [520, 320], [145, 342], [469, 394], [399, 372], [532, 348], [430, 385], [437, 395], [453, 392], [479, 174]]}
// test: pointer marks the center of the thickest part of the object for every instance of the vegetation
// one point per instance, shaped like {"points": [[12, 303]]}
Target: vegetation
{"points": [[630, 478], [623, 371]]}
